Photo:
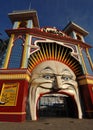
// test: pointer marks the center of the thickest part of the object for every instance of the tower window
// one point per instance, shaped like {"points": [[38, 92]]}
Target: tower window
{"points": [[23, 24], [16, 54], [79, 37]]}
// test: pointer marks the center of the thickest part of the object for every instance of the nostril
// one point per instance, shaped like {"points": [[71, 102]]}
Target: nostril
{"points": [[56, 85], [55, 88]]}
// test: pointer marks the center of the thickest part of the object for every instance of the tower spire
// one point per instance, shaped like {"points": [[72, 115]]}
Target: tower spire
{"points": [[30, 5]]}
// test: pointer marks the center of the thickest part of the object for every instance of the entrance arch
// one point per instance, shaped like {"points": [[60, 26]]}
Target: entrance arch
{"points": [[54, 69], [53, 77], [56, 105]]}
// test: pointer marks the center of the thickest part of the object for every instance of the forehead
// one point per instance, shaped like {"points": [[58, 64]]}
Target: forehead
{"points": [[52, 67]]}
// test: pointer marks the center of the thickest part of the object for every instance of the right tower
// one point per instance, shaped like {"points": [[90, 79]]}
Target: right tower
{"points": [[86, 80]]}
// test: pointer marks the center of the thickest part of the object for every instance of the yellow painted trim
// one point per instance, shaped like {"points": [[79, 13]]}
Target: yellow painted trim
{"points": [[85, 69], [8, 51], [14, 76], [25, 52], [12, 113], [18, 24], [85, 81], [90, 60]]}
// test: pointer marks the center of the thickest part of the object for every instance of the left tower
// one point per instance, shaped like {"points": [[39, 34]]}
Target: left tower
{"points": [[14, 76]]}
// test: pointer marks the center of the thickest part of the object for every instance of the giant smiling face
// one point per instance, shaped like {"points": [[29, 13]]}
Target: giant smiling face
{"points": [[52, 76]]}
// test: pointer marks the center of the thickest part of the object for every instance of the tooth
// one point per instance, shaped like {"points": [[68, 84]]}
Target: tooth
{"points": [[34, 95]]}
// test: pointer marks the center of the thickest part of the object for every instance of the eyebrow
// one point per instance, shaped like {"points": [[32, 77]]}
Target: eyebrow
{"points": [[66, 70], [47, 69]]}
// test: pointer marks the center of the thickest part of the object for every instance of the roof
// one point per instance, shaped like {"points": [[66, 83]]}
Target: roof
{"points": [[24, 15], [72, 26]]}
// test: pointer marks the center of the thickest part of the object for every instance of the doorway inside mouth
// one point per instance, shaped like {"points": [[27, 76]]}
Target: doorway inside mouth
{"points": [[56, 105]]}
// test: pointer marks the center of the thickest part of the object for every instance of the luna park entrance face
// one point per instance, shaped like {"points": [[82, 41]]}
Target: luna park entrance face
{"points": [[56, 105]]}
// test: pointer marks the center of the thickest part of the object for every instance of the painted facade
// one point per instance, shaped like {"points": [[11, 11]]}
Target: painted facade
{"points": [[44, 69]]}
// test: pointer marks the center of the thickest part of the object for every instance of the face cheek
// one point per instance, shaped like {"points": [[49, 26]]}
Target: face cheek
{"points": [[46, 85], [73, 82], [70, 85], [41, 82]]}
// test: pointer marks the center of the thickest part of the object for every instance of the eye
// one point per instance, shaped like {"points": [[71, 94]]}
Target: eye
{"points": [[66, 77], [47, 77]]}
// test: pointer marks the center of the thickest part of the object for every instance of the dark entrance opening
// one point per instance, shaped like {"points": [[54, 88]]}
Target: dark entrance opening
{"points": [[57, 105]]}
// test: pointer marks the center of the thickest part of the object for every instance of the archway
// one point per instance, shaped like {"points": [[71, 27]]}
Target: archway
{"points": [[56, 105], [53, 70]]}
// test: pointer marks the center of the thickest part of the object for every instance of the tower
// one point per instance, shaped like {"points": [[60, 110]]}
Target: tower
{"points": [[86, 80], [18, 50], [78, 33], [14, 76]]}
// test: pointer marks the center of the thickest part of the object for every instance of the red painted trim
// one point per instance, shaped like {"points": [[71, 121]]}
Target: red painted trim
{"points": [[14, 71], [37, 32], [91, 92], [12, 118], [16, 113]]}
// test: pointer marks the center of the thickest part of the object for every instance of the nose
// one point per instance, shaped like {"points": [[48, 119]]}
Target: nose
{"points": [[57, 83]]}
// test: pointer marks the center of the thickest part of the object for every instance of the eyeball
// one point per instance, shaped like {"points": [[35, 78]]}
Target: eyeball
{"points": [[47, 77], [65, 78]]}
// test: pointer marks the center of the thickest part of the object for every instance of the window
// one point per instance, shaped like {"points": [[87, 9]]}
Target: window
{"points": [[22, 24], [88, 66], [79, 37], [16, 54]]}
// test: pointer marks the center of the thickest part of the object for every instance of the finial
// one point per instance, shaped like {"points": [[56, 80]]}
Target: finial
{"points": [[30, 5]]}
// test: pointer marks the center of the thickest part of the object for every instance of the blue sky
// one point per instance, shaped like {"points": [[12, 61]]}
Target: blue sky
{"points": [[51, 13]]}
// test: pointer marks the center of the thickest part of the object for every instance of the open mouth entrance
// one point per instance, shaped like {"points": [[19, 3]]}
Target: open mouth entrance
{"points": [[57, 105]]}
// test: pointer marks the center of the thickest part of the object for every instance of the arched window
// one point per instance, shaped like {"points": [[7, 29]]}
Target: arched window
{"points": [[79, 37], [16, 54], [22, 24]]}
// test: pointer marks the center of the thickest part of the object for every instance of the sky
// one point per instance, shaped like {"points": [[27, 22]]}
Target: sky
{"points": [[53, 13]]}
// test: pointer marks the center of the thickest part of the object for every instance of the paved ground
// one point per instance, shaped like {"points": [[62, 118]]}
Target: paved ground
{"points": [[50, 124]]}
